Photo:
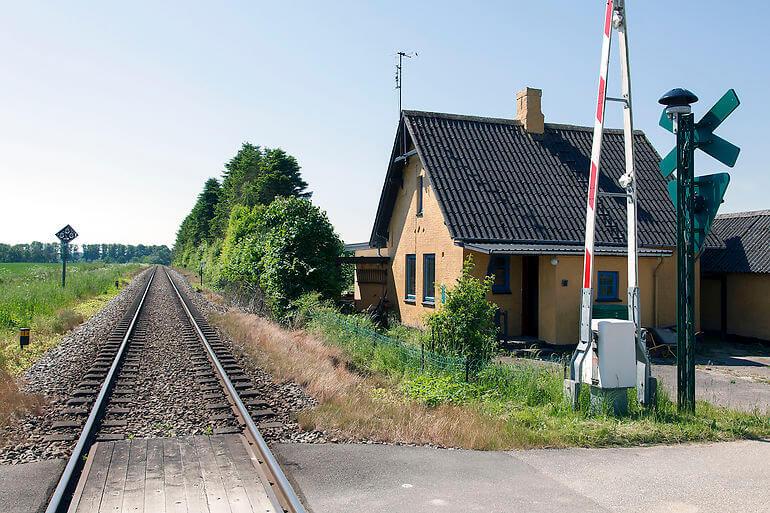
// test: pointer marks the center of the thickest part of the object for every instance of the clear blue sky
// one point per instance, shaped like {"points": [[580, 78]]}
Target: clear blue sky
{"points": [[112, 116]]}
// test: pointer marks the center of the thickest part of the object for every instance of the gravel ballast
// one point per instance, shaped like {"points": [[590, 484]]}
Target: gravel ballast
{"points": [[286, 399], [165, 398]]}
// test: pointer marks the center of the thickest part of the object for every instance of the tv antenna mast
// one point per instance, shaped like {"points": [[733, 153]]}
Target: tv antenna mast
{"points": [[400, 73]]}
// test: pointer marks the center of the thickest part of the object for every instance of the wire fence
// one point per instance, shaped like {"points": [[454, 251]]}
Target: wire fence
{"points": [[409, 355]]}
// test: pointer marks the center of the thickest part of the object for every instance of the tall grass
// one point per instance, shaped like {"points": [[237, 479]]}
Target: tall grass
{"points": [[526, 404], [30, 291], [354, 403], [31, 296]]}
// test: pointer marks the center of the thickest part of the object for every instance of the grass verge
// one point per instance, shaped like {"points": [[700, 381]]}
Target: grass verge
{"points": [[31, 296], [367, 391]]}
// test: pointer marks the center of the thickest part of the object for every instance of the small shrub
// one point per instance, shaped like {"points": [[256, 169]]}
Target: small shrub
{"points": [[66, 319], [303, 308], [433, 390], [465, 325], [408, 334], [13, 402]]}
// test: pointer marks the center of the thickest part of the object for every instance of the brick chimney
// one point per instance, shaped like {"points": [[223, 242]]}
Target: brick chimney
{"points": [[528, 110]]}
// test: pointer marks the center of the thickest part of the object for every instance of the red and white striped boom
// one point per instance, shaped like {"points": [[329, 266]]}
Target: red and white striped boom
{"points": [[614, 19]]}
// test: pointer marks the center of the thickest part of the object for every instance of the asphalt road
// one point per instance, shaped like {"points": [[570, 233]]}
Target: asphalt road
{"points": [[342, 478], [26, 488]]}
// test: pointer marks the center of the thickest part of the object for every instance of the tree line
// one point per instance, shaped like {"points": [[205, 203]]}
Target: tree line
{"points": [[50, 252], [256, 228]]}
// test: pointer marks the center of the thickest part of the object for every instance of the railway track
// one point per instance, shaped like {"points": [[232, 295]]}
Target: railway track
{"points": [[103, 407]]}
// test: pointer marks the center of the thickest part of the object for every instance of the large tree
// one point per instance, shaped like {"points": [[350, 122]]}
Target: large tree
{"points": [[204, 210], [197, 226], [256, 176]]}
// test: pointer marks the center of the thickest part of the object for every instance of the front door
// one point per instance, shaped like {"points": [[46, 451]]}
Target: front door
{"points": [[529, 294]]}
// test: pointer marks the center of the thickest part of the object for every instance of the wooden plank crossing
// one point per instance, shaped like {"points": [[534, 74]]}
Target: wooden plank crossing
{"points": [[196, 474]]}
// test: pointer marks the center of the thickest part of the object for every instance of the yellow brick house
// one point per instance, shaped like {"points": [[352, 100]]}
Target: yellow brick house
{"points": [[735, 291], [511, 194]]}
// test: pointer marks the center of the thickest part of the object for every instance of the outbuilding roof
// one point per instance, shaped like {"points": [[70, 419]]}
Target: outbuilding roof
{"points": [[742, 244], [495, 182]]}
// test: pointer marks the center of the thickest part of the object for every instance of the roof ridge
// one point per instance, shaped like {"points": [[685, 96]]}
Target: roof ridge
{"points": [[508, 121], [747, 213], [492, 180]]}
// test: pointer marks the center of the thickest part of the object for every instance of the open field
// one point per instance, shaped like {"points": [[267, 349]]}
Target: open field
{"points": [[31, 296], [368, 392]]}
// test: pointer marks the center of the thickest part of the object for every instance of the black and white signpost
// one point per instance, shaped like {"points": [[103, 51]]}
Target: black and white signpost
{"points": [[65, 235]]}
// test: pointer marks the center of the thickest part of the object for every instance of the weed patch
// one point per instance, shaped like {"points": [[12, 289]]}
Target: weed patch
{"points": [[65, 320], [13, 402]]}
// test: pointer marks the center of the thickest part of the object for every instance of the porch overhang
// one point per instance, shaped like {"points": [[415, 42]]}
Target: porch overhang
{"points": [[362, 260], [497, 248]]}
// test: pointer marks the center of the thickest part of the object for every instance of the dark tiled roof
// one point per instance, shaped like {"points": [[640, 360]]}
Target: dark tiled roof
{"points": [[743, 244], [353, 246], [497, 183]]}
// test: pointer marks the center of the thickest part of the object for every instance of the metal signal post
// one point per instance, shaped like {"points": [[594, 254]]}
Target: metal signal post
{"points": [[65, 235], [64, 250], [685, 308], [697, 201]]}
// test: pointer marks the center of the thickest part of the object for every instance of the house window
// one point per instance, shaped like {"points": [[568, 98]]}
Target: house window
{"points": [[419, 195], [607, 286], [411, 264], [429, 278], [499, 266]]}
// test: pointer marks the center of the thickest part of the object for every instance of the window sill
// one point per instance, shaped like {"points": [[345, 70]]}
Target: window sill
{"points": [[430, 304], [410, 301], [605, 300], [419, 214], [501, 291]]}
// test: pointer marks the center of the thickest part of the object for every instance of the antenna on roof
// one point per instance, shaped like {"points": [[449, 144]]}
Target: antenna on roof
{"points": [[400, 73]]}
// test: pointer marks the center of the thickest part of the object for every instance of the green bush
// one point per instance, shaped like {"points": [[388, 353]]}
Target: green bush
{"points": [[304, 307], [465, 324], [436, 389], [408, 334], [287, 248]]}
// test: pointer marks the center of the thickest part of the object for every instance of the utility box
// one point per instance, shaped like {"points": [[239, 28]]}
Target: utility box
{"points": [[613, 361]]}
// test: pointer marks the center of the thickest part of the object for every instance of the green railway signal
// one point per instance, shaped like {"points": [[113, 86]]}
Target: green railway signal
{"points": [[697, 200], [709, 189], [709, 194], [705, 140]]}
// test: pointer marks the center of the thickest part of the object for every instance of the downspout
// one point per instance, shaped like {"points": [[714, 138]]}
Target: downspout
{"points": [[388, 269], [655, 291]]}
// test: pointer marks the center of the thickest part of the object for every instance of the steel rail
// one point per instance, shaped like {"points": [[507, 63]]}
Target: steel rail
{"points": [[59, 499], [281, 481]]}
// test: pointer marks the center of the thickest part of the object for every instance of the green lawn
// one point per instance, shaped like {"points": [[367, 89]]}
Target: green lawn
{"points": [[31, 296]]}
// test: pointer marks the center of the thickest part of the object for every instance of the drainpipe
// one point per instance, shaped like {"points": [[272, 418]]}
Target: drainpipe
{"points": [[655, 291]]}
